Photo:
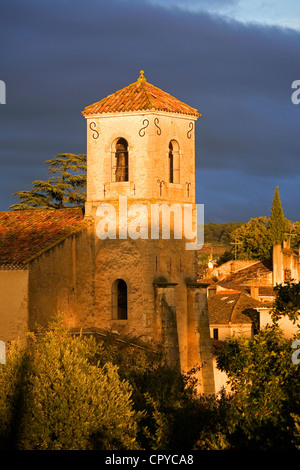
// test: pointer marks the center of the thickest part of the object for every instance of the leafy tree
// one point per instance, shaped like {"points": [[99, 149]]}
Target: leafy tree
{"points": [[266, 390], [295, 235], [256, 238], [173, 415], [296, 439], [253, 240], [159, 392], [64, 189], [219, 234], [68, 401], [73, 392], [287, 302], [11, 393]]}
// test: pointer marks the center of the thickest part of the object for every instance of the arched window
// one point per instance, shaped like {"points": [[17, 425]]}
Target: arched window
{"points": [[120, 165], [174, 162], [119, 300]]}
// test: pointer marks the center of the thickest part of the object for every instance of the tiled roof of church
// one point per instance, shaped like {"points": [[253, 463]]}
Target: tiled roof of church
{"points": [[139, 96], [26, 234], [236, 308]]}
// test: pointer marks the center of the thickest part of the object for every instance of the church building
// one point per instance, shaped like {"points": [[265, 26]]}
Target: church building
{"points": [[122, 265]]}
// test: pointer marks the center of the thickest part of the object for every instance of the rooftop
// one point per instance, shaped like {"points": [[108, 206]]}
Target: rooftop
{"points": [[237, 308], [139, 96], [259, 273], [26, 234]]}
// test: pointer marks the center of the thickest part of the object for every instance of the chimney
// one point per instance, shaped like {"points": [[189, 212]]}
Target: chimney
{"points": [[287, 243], [254, 292], [277, 264]]}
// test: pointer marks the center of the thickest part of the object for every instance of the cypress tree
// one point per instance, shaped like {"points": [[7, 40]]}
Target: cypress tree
{"points": [[277, 225]]}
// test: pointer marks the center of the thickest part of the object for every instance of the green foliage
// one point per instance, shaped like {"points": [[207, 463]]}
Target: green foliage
{"points": [[295, 235], [253, 239], [256, 238], [296, 439], [11, 391], [65, 392], [160, 393], [266, 387], [287, 302], [68, 401], [219, 234], [214, 434], [65, 188], [277, 224]]}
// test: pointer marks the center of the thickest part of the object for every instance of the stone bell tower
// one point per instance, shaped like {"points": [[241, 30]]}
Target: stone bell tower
{"points": [[140, 180]]}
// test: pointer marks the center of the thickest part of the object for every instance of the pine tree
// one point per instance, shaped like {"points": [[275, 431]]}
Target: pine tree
{"points": [[277, 225], [66, 187]]}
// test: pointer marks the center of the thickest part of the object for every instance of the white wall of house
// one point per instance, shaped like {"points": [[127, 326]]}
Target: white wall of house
{"points": [[287, 326], [224, 331]]}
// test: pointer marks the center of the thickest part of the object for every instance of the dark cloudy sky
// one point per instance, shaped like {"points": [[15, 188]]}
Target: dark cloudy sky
{"points": [[233, 60]]}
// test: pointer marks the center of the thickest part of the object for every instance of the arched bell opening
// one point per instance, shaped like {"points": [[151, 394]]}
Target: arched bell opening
{"points": [[120, 163]]}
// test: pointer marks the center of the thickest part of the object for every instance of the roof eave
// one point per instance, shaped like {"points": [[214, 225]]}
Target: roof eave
{"points": [[193, 116]]}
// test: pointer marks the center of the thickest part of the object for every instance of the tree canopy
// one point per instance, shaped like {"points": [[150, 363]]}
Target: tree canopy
{"points": [[54, 396], [287, 301], [65, 392], [265, 406], [65, 188], [256, 238]]}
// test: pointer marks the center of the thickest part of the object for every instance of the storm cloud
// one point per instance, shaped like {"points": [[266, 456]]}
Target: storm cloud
{"points": [[59, 56]]}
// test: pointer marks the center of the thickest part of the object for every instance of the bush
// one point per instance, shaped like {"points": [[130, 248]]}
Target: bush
{"points": [[266, 386], [64, 392], [65, 401]]}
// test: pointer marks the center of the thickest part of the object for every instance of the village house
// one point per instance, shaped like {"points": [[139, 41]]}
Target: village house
{"points": [[232, 313], [257, 279], [241, 300]]}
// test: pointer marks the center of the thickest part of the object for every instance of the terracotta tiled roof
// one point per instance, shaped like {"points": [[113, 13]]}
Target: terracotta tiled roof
{"points": [[259, 272], [235, 308], [267, 291], [24, 235], [139, 96]]}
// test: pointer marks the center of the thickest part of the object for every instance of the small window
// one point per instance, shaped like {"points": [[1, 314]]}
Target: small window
{"points": [[174, 162], [119, 300], [120, 163], [215, 333]]}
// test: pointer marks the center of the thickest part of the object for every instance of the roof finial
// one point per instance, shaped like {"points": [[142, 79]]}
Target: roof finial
{"points": [[142, 78]]}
